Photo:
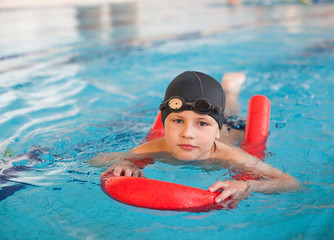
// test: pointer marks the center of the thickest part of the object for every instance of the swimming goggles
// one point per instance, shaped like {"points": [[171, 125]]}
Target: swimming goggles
{"points": [[202, 105]]}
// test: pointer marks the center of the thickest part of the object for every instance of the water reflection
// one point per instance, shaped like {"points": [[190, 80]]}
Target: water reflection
{"points": [[35, 30], [114, 22]]}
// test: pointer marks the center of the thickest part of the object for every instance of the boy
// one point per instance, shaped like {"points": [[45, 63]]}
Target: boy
{"points": [[193, 116]]}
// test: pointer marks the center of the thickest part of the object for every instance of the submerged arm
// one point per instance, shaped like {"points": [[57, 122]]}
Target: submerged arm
{"points": [[271, 179], [275, 181], [106, 159], [118, 163], [146, 149], [128, 163]]}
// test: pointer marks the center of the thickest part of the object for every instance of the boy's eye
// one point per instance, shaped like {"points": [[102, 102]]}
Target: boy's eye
{"points": [[178, 121], [203, 124]]}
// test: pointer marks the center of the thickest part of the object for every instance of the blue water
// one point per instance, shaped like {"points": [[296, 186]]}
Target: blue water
{"points": [[79, 80]]}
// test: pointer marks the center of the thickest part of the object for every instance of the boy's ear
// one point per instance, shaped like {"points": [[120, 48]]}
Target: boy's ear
{"points": [[218, 135]]}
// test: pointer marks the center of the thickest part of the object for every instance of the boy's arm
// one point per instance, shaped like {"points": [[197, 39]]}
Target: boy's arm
{"points": [[132, 163], [129, 163], [275, 181], [105, 159], [272, 180]]}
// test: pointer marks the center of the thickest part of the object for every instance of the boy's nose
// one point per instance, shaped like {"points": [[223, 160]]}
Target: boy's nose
{"points": [[188, 131]]}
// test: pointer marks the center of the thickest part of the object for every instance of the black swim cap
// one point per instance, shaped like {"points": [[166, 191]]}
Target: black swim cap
{"points": [[192, 86]]}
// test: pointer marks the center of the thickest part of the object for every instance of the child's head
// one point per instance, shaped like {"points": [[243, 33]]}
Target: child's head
{"points": [[194, 91]]}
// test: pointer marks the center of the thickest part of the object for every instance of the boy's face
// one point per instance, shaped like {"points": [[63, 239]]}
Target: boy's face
{"points": [[190, 135]]}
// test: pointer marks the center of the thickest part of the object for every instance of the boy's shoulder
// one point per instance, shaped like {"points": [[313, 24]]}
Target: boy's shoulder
{"points": [[228, 152]]}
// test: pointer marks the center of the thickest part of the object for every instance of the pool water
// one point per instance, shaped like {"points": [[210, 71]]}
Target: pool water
{"points": [[76, 81]]}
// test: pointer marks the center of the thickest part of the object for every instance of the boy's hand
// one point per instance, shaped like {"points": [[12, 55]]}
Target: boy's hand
{"points": [[232, 192], [124, 168]]}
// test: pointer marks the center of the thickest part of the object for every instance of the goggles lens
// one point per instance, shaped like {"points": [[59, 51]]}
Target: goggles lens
{"points": [[177, 104], [203, 106]]}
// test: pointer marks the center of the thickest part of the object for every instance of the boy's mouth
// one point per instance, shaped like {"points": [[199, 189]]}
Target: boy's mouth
{"points": [[187, 147]]}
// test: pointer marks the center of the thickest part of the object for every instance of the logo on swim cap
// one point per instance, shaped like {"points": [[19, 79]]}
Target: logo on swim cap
{"points": [[174, 103]]}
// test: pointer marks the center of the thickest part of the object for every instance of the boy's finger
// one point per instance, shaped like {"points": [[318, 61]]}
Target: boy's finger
{"points": [[128, 172], [141, 174], [217, 185], [118, 171], [107, 173], [224, 195], [136, 173]]}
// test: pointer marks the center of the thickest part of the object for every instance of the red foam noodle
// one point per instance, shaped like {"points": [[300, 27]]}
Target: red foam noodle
{"points": [[157, 129], [160, 195], [257, 126], [258, 117]]}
